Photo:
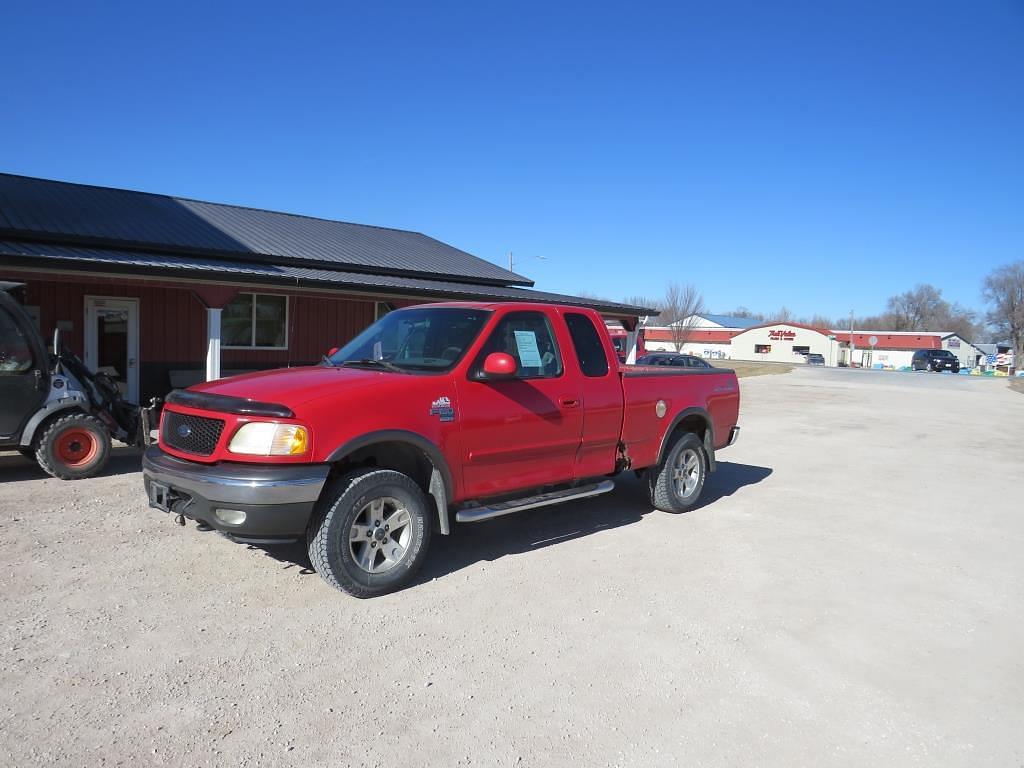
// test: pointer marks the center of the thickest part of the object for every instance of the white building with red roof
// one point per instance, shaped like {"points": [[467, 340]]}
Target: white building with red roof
{"points": [[791, 342]]}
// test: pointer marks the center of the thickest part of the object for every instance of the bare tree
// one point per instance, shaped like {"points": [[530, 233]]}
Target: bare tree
{"points": [[591, 295], [644, 301], [679, 310], [784, 315], [742, 311], [913, 310], [924, 309], [819, 321], [1003, 289]]}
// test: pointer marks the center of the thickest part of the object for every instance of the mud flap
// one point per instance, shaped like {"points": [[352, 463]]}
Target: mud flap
{"points": [[441, 500]]}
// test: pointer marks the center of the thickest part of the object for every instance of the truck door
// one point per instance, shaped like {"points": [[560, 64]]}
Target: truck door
{"points": [[602, 398], [523, 432], [23, 370]]}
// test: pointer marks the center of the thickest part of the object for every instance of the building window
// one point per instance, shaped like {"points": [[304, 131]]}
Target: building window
{"points": [[255, 321], [762, 349], [382, 308], [801, 350]]}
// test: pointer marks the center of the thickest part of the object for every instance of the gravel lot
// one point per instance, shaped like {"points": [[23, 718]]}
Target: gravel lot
{"points": [[850, 594]]}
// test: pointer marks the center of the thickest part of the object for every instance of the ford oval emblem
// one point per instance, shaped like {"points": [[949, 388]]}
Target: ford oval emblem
{"points": [[184, 430]]}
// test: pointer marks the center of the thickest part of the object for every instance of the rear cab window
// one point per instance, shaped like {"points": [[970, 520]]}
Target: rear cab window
{"points": [[585, 340]]}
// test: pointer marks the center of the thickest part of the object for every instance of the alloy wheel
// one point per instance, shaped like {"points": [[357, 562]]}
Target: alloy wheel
{"points": [[380, 535], [686, 472]]}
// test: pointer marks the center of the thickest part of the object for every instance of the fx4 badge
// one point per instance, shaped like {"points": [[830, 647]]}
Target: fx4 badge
{"points": [[443, 407]]}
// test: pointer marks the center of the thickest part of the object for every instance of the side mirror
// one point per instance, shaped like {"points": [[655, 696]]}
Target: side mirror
{"points": [[499, 365], [332, 351]]}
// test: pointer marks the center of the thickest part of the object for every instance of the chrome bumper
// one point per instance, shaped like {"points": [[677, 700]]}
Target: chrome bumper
{"points": [[238, 483]]}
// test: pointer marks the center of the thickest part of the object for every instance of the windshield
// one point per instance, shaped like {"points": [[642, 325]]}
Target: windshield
{"points": [[944, 353], [428, 339]]}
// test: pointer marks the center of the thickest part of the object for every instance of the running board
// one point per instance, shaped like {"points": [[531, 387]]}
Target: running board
{"points": [[476, 514]]}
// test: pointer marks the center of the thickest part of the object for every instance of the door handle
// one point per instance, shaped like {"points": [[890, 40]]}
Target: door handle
{"points": [[569, 402]]}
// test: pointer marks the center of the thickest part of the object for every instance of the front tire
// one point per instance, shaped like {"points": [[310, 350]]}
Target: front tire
{"points": [[372, 534], [73, 447], [676, 484]]}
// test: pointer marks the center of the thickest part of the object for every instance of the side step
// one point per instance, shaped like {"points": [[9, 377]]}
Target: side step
{"points": [[476, 514]]}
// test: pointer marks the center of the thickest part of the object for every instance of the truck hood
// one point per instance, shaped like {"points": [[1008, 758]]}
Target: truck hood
{"points": [[294, 386]]}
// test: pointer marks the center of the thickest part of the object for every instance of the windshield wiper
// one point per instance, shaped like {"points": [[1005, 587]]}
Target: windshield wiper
{"points": [[380, 363], [327, 361]]}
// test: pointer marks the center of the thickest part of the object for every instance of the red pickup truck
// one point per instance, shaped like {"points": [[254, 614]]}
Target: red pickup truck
{"points": [[435, 413]]}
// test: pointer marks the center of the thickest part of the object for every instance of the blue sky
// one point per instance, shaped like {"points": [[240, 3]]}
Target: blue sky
{"points": [[818, 155]]}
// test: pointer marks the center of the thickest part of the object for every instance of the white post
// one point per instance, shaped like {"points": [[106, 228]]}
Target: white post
{"points": [[631, 339], [212, 343]]}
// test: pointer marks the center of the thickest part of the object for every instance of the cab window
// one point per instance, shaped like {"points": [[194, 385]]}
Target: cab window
{"points": [[528, 337], [589, 350], [15, 352]]}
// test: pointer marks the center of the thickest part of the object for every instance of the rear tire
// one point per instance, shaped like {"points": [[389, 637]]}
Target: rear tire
{"points": [[372, 533], [676, 484], [73, 447]]}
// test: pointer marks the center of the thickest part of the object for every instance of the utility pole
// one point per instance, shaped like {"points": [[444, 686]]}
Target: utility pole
{"points": [[511, 261], [853, 345]]}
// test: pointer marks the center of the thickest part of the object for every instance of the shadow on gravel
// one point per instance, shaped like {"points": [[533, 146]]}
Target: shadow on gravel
{"points": [[543, 527], [123, 460]]}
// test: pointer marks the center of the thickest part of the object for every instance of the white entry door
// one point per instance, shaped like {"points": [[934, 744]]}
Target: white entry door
{"points": [[112, 341]]}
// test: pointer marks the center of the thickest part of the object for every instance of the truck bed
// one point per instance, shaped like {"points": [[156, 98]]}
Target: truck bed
{"points": [[715, 390]]}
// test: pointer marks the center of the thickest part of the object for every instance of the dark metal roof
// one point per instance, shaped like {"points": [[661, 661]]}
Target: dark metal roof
{"points": [[35, 255], [62, 212]]}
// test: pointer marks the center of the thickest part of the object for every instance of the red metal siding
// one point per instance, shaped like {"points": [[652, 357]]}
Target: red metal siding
{"points": [[315, 324], [172, 320]]}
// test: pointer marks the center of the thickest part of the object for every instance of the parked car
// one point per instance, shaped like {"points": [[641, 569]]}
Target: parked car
{"points": [[673, 358], [813, 358], [54, 410], [935, 360], [434, 414]]}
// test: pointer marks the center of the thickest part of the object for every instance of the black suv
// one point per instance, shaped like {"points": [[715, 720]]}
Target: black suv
{"points": [[935, 360]]}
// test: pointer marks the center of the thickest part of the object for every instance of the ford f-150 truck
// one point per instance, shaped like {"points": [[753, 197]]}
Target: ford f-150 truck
{"points": [[438, 413]]}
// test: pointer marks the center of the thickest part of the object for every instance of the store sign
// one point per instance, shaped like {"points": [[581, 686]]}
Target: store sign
{"points": [[954, 343], [781, 335]]}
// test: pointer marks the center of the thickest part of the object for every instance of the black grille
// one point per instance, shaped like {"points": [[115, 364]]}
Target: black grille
{"points": [[191, 434]]}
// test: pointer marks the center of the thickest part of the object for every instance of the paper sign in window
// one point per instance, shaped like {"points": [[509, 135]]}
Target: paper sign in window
{"points": [[529, 353]]}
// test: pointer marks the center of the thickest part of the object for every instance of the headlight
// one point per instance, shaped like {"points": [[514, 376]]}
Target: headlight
{"points": [[262, 438]]}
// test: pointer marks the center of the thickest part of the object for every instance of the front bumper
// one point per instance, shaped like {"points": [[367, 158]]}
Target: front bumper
{"points": [[277, 500]]}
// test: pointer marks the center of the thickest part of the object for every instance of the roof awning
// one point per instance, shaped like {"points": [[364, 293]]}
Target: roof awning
{"points": [[31, 255]]}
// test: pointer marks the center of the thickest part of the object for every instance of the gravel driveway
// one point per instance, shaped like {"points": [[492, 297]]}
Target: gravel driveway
{"points": [[850, 594]]}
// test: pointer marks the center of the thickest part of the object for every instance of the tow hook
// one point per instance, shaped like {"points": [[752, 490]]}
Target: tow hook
{"points": [[179, 519]]}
